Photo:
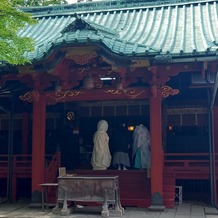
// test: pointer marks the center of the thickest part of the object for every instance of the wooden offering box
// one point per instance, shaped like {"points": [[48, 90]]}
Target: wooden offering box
{"points": [[102, 189]]}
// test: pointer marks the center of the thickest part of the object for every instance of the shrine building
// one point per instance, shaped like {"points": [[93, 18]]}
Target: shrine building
{"points": [[128, 62]]}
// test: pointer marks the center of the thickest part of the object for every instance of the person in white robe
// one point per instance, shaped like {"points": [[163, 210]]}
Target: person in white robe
{"points": [[101, 157], [141, 147]]}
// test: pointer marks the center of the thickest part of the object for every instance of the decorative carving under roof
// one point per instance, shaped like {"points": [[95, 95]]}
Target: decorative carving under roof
{"points": [[82, 24]]}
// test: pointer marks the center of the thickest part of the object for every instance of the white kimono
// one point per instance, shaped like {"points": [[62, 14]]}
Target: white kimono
{"points": [[141, 147], [101, 157]]}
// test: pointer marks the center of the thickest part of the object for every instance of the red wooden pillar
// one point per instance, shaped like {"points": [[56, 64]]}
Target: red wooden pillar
{"points": [[214, 149], [38, 148], [156, 148], [25, 127]]}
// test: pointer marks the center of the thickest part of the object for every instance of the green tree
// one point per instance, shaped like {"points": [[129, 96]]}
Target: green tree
{"points": [[13, 46], [38, 2]]}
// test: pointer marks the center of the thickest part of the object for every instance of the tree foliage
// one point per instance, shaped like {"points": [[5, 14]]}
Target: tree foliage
{"points": [[13, 46], [38, 2]]}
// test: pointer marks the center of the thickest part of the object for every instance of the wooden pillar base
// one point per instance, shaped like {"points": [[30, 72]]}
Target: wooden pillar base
{"points": [[157, 202], [157, 208], [36, 199]]}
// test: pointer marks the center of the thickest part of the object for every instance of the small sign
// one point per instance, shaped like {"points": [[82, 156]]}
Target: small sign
{"points": [[62, 171]]}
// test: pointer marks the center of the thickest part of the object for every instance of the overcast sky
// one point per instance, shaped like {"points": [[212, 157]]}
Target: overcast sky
{"points": [[71, 1]]}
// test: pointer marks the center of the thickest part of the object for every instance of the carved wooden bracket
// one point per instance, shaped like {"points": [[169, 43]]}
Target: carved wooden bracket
{"points": [[166, 91]]}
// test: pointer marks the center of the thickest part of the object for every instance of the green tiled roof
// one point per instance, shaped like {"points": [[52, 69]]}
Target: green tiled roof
{"points": [[130, 28]]}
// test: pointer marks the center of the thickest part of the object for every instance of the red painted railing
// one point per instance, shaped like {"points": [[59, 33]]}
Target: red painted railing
{"points": [[21, 167], [189, 165], [172, 161], [4, 167], [22, 164]]}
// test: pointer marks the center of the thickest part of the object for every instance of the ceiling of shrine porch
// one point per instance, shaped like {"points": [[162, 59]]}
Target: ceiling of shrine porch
{"points": [[73, 68]]}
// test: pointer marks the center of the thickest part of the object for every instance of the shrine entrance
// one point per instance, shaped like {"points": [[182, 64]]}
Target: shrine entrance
{"points": [[76, 124]]}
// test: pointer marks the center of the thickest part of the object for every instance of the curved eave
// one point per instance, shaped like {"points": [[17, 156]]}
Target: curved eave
{"points": [[116, 47], [104, 6]]}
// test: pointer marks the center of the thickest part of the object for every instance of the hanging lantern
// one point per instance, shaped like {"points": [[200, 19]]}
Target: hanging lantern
{"points": [[131, 128], [88, 82]]}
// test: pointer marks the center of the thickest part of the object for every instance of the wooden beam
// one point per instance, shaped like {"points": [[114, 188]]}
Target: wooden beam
{"points": [[90, 95]]}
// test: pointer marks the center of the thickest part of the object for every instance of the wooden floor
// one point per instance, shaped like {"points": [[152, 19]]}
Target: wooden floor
{"points": [[185, 210]]}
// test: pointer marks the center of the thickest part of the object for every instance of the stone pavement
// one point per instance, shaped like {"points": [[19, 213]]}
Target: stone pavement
{"points": [[185, 210]]}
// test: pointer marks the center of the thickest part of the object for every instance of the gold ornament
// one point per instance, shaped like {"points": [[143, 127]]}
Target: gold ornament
{"points": [[70, 116]]}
